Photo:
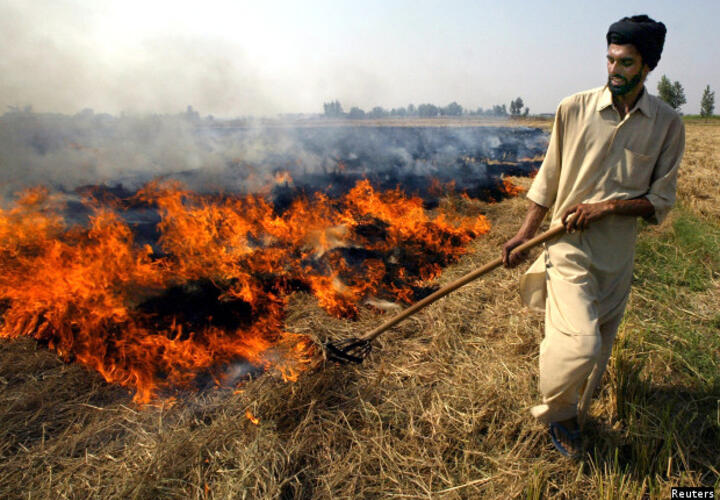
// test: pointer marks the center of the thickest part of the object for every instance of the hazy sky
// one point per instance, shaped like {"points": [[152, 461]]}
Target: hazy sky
{"points": [[231, 58]]}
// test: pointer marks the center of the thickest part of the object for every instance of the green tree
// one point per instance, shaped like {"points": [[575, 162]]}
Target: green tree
{"points": [[377, 112], [191, 114], [679, 95], [427, 110], [333, 109], [452, 109], [356, 113], [665, 89], [671, 93], [499, 110], [516, 106], [707, 103]]}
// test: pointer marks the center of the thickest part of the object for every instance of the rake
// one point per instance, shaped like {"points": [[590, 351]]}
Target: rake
{"points": [[356, 349]]}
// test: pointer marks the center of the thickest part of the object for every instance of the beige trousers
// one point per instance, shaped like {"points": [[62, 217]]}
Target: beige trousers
{"points": [[574, 352]]}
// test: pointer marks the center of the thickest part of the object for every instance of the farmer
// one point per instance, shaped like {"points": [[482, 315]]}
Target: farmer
{"points": [[613, 156]]}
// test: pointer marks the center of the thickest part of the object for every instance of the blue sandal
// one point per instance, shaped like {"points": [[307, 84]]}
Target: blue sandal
{"points": [[574, 437]]}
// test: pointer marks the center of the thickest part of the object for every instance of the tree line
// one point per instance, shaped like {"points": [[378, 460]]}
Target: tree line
{"points": [[673, 93], [334, 109]]}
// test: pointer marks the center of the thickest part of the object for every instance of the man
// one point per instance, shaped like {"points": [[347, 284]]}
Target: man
{"points": [[613, 156]]}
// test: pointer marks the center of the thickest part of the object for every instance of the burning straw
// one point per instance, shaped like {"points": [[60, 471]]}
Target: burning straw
{"points": [[212, 286]]}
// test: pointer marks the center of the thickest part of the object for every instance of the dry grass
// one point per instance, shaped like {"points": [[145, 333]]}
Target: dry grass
{"points": [[440, 410], [698, 185]]}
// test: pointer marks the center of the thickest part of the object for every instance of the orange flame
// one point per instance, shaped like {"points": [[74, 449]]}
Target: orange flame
{"points": [[283, 178], [511, 189], [85, 291], [252, 418]]}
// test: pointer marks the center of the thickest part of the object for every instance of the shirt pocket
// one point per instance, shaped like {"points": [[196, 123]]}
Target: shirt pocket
{"points": [[634, 170]]}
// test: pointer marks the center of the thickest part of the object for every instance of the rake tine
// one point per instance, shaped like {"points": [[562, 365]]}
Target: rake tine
{"points": [[348, 351]]}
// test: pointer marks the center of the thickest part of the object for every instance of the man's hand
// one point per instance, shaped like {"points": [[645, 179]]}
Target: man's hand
{"points": [[533, 218], [512, 260], [584, 214]]}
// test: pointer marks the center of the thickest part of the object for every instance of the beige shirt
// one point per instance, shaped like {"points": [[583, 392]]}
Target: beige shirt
{"points": [[595, 156]]}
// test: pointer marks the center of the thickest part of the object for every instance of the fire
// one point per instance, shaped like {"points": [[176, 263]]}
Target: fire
{"points": [[252, 418], [283, 177], [511, 189], [213, 288]]}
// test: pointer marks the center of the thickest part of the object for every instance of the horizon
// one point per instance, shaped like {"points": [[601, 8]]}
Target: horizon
{"points": [[234, 60]]}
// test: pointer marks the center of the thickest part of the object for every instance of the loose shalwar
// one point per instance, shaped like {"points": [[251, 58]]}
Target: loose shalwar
{"points": [[582, 279]]}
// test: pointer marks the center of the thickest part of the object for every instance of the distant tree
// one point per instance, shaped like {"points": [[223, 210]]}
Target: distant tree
{"points": [[191, 114], [428, 110], [671, 93], [333, 109], [526, 111], [499, 110], [479, 111], [516, 106], [452, 109], [17, 109], [377, 112], [411, 110], [665, 89], [679, 94], [356, 113], [401, 112], [707, 103]]}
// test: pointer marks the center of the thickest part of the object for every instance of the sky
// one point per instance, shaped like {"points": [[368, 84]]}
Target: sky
{"points": [[240, 58]]}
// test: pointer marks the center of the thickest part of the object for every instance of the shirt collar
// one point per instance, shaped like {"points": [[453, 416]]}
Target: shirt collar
{"points": [[643, 104]]}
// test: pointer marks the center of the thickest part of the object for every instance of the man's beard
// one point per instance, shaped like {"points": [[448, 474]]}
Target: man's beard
{"points": [[627, 87]]}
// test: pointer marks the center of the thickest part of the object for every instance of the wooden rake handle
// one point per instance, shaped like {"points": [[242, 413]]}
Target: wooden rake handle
{"points": [[450, 287]]}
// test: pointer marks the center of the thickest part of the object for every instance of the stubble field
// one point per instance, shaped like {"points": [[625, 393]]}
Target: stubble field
{"points": [[440, 410]]}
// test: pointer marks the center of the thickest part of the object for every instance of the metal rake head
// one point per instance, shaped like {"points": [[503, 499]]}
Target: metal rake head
{"points": [[347, 351]]}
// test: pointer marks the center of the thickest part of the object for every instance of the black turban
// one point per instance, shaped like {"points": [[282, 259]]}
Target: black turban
{"points": [[647, 35]]}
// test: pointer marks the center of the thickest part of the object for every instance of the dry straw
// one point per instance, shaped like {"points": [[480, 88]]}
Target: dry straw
{"points": [[440, 410]]}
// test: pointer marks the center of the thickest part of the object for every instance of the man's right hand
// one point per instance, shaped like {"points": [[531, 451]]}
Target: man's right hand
{"points": [[513, 259], [533, 218]]}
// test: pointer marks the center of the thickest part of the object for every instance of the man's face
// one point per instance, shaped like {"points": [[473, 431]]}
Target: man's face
{"points": [[625, 68]]}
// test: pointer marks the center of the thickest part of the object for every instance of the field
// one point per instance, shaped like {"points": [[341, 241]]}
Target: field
{"points": [[440, 121], [440, 410]]}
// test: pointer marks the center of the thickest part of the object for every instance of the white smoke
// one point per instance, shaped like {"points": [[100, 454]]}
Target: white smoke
{"points": [[66, 152]]}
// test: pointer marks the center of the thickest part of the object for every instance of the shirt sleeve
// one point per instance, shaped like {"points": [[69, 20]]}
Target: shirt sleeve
{"points": [[664, 179], [545, 185]]}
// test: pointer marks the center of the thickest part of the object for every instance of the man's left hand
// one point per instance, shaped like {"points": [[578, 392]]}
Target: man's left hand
{"points": [[585, 213]]}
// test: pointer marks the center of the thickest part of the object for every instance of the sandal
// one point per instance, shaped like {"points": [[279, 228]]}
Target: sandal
{"points": [[574, 437]]}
